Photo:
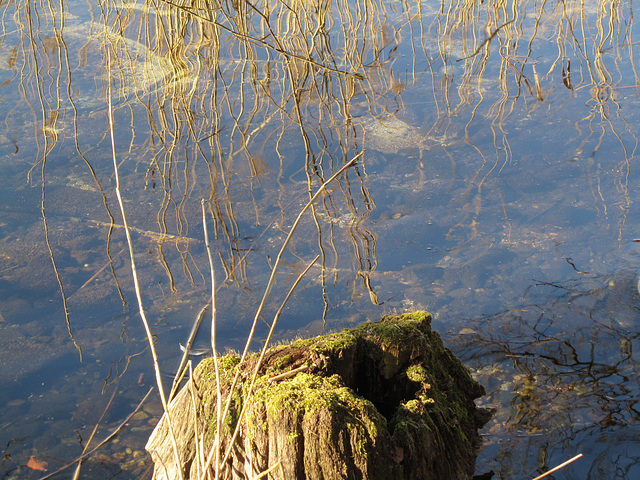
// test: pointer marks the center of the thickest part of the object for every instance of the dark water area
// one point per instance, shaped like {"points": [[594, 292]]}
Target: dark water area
{"points": [[496, 190]]}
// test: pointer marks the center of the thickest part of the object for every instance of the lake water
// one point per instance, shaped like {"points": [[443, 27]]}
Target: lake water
{"points": [[497, 190]]}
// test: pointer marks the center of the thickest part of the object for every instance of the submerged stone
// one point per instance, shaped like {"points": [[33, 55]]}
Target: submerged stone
{"points": [[390, 135], [384, 401]]}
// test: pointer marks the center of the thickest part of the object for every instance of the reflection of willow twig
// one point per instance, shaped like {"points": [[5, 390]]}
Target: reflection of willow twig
{"points": [[50, 63], [602, 93], [120, 372], [579, 44], [55, 267], [364, 243], [106, 206], [46, 150], [276, 48], [304, 72], [486, 41]]}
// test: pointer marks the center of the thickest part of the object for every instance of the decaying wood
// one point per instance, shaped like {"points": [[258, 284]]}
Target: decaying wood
{"points": [[385, 400]]}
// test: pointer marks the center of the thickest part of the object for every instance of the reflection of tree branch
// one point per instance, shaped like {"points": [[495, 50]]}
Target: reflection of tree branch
{"points": [[557, 370], [485, 41], [257, 41]]}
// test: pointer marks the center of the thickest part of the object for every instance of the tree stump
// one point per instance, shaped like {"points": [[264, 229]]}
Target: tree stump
{"points": [[384, 401]]}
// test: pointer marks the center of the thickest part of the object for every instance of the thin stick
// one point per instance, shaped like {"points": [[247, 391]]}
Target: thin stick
{"points": [[265, 296], [268, 471], [76, 475], [562, 465], [106, 440], [199, 458], [213, 343], [187, 349], [136, 283], [247, 397], [289, 374], [276, 264], [93, 277]]}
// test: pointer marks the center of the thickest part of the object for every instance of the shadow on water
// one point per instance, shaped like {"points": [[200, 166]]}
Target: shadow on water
{"points": [[499, 144]]}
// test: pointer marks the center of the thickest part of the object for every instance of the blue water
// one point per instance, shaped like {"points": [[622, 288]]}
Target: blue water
{"points": [[496, 191]]}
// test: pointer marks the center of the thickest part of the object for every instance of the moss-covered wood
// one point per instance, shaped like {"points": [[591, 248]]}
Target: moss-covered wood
{"points": [[385, 400]]}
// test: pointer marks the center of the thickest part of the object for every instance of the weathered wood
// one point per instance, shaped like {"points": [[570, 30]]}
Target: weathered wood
{"points": [[384, 401]]}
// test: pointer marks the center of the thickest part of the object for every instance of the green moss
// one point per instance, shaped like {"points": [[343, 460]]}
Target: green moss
{"points": [[394, 330], [229, 362], [417, 373], [307, 394], [279, 365], [332, 342], [206, 375], [226, 367], [357, 431], [304, 391]]}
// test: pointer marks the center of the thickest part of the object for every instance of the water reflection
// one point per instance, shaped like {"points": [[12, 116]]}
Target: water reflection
{"points": [[499, 142], [563, 372]]}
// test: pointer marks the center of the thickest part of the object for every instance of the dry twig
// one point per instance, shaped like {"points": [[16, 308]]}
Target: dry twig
{"points": [[555, 469]]}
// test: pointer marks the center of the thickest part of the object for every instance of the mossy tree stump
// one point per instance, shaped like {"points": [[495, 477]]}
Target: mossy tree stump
{"points": [[384, 401]]}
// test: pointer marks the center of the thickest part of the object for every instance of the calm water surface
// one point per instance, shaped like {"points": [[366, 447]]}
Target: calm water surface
{"points": [[497, 190]]}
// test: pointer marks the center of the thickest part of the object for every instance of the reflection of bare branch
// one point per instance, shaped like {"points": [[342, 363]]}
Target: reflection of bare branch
{"points": [[551, 364], [224, 96]]}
